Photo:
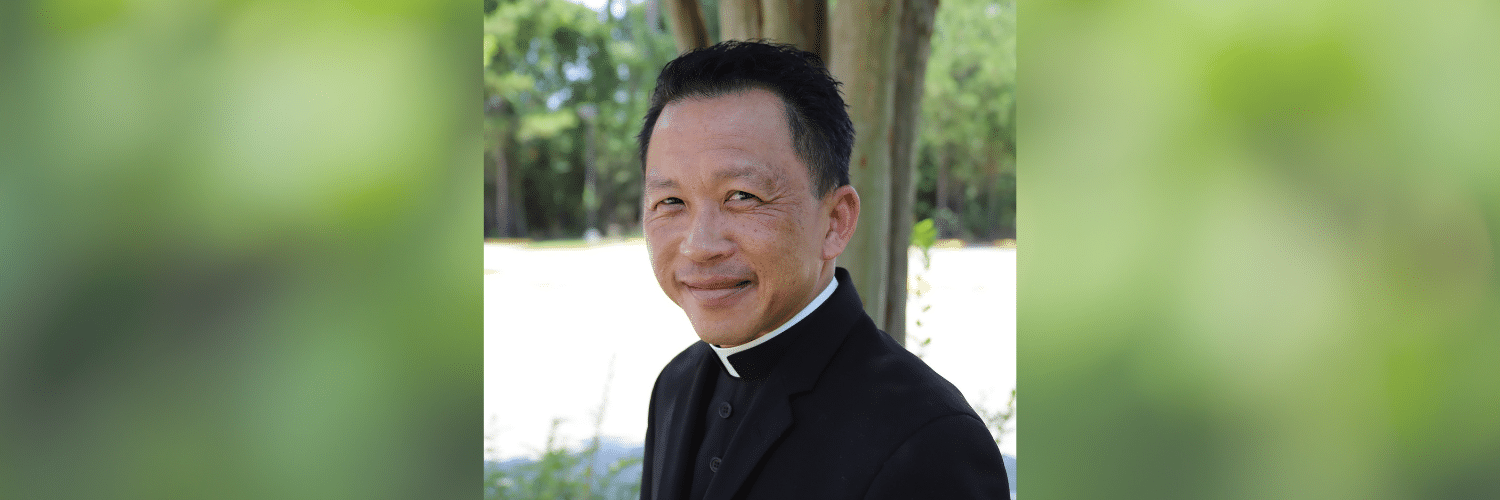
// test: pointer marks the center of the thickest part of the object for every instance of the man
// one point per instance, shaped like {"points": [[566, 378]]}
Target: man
{"points": [[793, 392]]}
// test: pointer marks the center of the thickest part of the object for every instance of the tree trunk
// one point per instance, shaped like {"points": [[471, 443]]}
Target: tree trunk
{"points": [[914, 43], [653, 16], [687, 24], [992, 200], [502, 190], [517, 204], [803, 23], [863, 58], [739, 19], [940, 203], [958, 204], [590, 177]]}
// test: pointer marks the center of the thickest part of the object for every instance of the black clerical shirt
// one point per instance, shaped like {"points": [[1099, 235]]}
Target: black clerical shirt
{"points": [[724, 414]]}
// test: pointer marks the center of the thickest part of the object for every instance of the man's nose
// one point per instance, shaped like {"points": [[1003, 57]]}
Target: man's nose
{"points": [[707, 239]]}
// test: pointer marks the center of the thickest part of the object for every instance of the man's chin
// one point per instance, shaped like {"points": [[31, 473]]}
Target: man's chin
{"points": [[723, 337]]}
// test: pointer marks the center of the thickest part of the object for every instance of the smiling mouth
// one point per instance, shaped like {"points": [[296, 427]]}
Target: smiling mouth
{"points": [[718, 294]]}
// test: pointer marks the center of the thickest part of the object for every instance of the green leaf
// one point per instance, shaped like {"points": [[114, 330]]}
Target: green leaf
{"points": [[924, 234], [546, 125]]}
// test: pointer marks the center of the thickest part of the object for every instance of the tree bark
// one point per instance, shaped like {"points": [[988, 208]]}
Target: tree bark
{"points": [[803, 23], [992, 197], [590, 176], [502, 189], [739, 19], [940, 201], [688, 28], [864, 48], [914, 43], [653, 16], [517, 204]]}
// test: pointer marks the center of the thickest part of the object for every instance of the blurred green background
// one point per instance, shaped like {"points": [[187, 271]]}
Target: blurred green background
{"points": [[1260, 249], [238, 249]]}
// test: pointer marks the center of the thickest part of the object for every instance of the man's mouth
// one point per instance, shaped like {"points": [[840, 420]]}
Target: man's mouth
{"points": [[717, 292]]}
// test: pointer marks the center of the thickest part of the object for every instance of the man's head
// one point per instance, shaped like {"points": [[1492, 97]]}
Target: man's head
{"points": [[815, 112], [747, 200]]}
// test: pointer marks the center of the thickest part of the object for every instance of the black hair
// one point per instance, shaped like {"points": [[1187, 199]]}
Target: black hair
{"points": [[822, 134]]}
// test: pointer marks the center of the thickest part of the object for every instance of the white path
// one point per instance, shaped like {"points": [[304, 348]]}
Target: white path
{"points": [[555, 319]]}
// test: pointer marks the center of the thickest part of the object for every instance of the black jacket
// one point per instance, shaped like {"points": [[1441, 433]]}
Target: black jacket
{"points": [[844, 413]]}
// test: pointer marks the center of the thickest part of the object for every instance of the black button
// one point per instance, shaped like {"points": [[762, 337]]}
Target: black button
{"points": [[724, 410], [713, 465]]}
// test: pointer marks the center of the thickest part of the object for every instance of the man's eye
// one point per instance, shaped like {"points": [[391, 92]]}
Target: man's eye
{"points": [[741, 195], [670, 201]]}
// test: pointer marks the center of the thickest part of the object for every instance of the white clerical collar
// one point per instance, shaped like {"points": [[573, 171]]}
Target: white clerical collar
{"points": [[725, 352]]}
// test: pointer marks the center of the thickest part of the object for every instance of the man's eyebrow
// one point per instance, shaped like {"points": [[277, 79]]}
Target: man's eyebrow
{"points": [[748, 173], [654, 182]]}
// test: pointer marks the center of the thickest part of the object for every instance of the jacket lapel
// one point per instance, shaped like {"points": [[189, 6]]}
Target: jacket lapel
{"points": [[681, 423]]}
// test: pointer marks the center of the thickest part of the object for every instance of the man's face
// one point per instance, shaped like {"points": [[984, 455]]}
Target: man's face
{"points": [[736, 236]]}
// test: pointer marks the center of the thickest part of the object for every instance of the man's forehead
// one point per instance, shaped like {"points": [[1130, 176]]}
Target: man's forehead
{"points": [[724, 110], [664, 120], [741, 135]]}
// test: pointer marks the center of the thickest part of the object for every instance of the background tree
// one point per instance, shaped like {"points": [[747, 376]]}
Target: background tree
{"points": [[966, 147], [547, 61], [912, 50], [864, 59]]}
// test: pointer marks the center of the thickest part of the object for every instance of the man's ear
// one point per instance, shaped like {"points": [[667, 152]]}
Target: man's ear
{"points": [[843, 217]]}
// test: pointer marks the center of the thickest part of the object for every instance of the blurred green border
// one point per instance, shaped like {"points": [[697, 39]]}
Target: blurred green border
{"points": [[238, 249], [1260, 249]]}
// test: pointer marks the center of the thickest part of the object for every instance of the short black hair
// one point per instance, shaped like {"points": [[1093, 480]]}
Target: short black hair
{"points": [[820, 128]]}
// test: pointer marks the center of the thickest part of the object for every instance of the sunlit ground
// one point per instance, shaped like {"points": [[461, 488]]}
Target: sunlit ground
{"points": [[563, 323]]}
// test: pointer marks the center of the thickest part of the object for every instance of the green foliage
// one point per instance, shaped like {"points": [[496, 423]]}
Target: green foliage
{"points": [[968, 133], [923, 236], [997, 419], [546, 125], [545, 60], [561, 474]]}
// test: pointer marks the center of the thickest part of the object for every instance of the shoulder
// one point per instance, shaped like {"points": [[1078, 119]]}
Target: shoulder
{"points": [[876, 393], [684, 365], [893, 377], [909, 427], [942, 459]]}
